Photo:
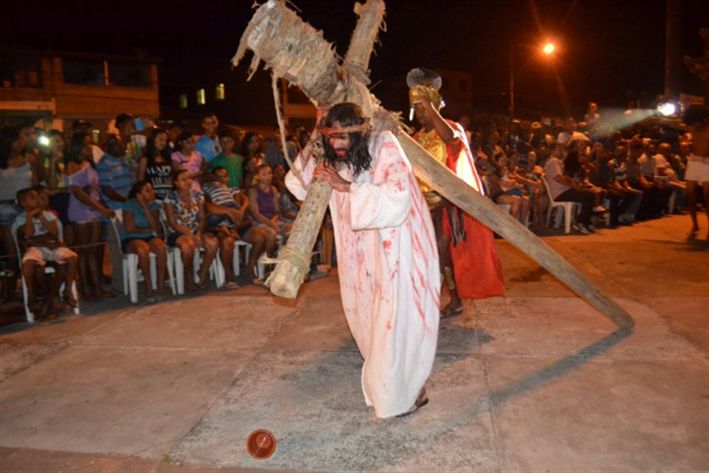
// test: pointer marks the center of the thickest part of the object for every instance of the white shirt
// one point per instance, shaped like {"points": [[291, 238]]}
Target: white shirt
{"points": [[554, 167]]}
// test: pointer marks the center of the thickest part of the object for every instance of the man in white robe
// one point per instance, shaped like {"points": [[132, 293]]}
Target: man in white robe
{"points": [[387, 257]]}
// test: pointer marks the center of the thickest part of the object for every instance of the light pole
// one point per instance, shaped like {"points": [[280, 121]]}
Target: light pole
{"points": [[547, 49]]}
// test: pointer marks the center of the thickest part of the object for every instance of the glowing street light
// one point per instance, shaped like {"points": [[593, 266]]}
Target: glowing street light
{"points": [[548, 49]]}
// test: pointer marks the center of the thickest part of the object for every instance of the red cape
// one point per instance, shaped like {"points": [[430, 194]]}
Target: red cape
{"points": [[476, 264]]}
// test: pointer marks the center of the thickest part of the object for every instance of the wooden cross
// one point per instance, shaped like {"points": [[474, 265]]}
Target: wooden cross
{"points": [[297, 52]]}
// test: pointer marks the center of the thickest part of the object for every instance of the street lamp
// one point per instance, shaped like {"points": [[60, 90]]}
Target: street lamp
{"points": [[547, 49]]}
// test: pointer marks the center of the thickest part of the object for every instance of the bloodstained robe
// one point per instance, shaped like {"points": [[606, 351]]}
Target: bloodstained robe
{"points": [[388, 270], [476, 264]]}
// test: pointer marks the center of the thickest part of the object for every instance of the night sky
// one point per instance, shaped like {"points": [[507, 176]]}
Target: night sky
{"points": [[612, 50]]}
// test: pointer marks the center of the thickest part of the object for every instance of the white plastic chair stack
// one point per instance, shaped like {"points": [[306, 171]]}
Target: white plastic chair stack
{"points": [[567, 209], [131, 272], [29, 316]]}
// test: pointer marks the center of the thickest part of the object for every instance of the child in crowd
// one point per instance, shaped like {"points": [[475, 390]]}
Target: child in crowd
{"points": [[232, 162], [265, 207], [39, 237]]}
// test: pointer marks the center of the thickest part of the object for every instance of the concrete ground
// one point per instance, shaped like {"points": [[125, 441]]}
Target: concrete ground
{"points": [[535, 381]]}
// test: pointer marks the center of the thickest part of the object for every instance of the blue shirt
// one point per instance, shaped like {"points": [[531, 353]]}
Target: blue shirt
{"points": [[140, 220], [114, 172], [208, 148]]}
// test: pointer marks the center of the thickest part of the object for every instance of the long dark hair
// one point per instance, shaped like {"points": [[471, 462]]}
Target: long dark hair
{"points": [[246, 142], [151, 152], [358, 158], [76, 148]]}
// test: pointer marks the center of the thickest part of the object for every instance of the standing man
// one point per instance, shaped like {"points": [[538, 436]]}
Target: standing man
{"points": [[208, 144], [386, 254], [470, 265]]}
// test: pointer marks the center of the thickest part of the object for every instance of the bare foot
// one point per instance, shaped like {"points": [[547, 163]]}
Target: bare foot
{"points": [[453, 308]]}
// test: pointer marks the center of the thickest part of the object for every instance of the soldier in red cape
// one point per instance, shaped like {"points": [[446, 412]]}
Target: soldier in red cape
{"points": [[470, 265]]}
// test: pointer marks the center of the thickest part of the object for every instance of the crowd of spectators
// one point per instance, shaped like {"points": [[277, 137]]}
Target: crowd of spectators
{"points": [[202, 193], [619, 176], [160, 188]]}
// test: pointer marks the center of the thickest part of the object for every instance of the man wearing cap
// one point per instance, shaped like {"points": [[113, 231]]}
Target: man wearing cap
{"points": [[386, 255], [470, 265]]}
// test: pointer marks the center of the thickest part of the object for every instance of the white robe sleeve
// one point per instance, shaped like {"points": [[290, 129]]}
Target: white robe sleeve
{"points": [[293, 184], [376, 205]]}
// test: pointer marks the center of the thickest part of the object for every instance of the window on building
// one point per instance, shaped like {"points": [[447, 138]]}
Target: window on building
{"points": [[201, 97], [83, 72], [219, 93], [19, 70], [129, 75], [183, 101]]}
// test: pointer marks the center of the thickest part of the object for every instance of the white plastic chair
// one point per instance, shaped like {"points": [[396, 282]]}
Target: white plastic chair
{"points": [[179, 271], [569, 209], [236, 261], [29, 316], [131, 272]]}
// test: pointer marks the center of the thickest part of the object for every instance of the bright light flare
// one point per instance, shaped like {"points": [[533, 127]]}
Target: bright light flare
{"points": [[667, 109], [549, 48], [43, 140]]}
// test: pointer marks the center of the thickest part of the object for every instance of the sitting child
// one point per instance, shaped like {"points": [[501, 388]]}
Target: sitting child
{"points": [[38, 236]]}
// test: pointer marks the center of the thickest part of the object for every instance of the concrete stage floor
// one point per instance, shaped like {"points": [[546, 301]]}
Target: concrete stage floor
{"points": [[534, 381]]}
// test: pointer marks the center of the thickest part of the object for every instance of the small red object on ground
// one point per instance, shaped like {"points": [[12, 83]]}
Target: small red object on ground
{"points": [[261, 444]]}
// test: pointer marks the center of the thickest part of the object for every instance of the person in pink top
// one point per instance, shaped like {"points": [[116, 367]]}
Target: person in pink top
{"points": [[185, 157], [386, 253]]}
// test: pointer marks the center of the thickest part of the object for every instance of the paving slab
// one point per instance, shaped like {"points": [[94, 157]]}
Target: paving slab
{"points": [[136, 402], [535, 381], [17, 357], [601, 416], [20, 460], [61, 329], [225, 322], [686, 316], [554, 328], [313, 405]]}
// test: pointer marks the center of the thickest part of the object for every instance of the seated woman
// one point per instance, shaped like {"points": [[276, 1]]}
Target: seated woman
{"points": [[532, 182], [506, 190], [139, 235], [187, 220]]}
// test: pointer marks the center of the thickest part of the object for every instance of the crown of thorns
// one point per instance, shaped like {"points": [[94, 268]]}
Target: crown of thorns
{"points": [[364, 127]]}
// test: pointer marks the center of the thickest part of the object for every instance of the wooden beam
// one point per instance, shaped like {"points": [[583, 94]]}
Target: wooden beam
{"points": [[295, 51]]}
